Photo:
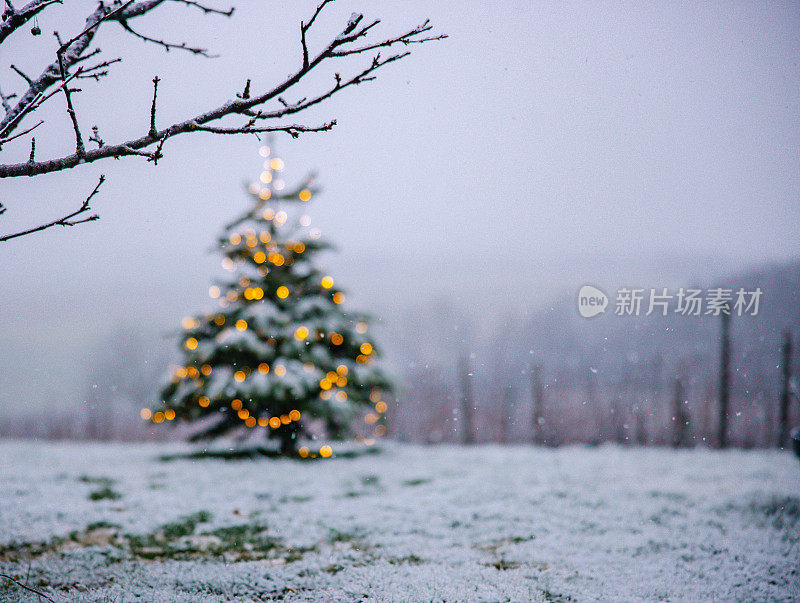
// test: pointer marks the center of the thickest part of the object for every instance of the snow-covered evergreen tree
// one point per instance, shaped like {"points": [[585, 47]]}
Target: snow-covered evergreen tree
{"points": [[280, 352]]}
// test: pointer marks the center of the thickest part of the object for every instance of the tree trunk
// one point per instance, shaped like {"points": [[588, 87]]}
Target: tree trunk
{"points": [[537, 396], [505, 417], [288, 440], [467, 402], [786, 377], [679, 416], [724, 380]]}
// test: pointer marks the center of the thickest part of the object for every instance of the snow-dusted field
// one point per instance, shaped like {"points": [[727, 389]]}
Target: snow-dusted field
{"points": [[408, 524]]}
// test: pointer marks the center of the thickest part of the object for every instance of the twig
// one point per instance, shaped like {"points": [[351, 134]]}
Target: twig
{"points": [[80, 150], [304, 27], [21, 74], [294, 130], [153, 130], [206, 9], [166, 45], [5, 140], [28, 588], [93, 71], [65, 221]]}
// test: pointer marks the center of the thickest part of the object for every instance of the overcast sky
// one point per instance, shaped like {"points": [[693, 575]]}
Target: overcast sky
{"points": [[538, 147]]}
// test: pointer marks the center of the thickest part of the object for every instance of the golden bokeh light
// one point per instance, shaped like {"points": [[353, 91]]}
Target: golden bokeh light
{"points": [[327, 282], [280, 370], [146, 414], [239, 376], [214, 292], [366, 349], [282, 292], [241, 324], [305, 195], [294, 415], [263, 368], [325, 451], [191, 343], [301, 333]]}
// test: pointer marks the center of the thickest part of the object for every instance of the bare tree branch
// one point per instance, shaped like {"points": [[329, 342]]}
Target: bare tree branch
{"points": [[163, 43], [67, 220], [153, 130], [22, 75], [13, 18], [31, 129], [294, 130], [335, 48], [207, 10], [256, 107], [304, 27], [35, 103]]}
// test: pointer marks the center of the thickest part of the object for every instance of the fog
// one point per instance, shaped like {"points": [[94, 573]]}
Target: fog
{"points": [[534, 150]]}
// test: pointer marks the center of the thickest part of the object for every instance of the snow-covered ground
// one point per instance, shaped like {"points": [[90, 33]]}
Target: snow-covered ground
{"points": [[408, 524]]}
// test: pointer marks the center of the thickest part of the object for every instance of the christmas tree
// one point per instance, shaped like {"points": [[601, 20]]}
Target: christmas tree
{"points": [[280, 354]]}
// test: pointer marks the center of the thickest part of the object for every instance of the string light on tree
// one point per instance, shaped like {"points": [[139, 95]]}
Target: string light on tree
{"points": [[280, 352]]}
